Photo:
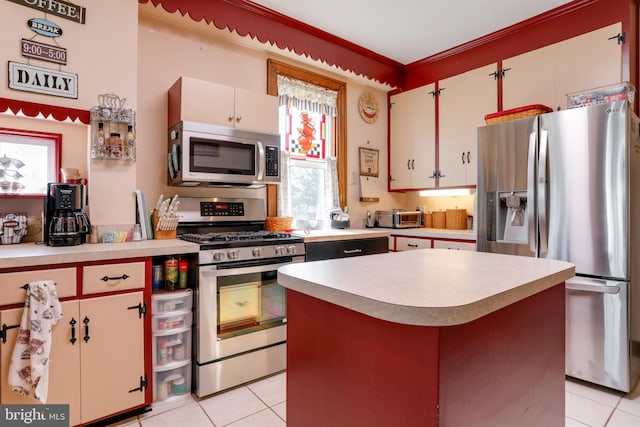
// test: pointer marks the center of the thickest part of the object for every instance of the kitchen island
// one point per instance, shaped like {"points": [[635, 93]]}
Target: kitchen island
{"points": [[426, 337]]}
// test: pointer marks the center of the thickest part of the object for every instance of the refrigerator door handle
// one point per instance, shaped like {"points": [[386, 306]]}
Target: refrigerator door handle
{"points": [[601, 289], [542, 193], [531, 176]]}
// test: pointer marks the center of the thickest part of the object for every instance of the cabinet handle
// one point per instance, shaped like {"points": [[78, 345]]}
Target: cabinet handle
{"points": [[143, 384], [352, 251], [412, 245], [413, 161], [468, 156], [238, 118], [230, 118], [141, 307], [434, 175], [73, 331], [463, 162], [107, 278], [408, 164], [440, 175], [3, 331], [86, 329]]}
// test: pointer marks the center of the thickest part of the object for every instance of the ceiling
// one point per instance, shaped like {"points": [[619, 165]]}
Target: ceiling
{"points": [[410, 30]]}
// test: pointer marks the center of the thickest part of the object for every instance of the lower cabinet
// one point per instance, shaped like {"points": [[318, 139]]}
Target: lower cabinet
{"points": [[412, 243], [446, 244], [97, 363]]}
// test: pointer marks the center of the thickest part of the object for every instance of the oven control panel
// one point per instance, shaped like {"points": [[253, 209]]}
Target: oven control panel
{"points": [[221, 208], [213, 256]]}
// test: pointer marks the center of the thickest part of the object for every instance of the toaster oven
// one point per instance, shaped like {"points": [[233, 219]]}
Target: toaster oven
{"points": [[398, 218]]}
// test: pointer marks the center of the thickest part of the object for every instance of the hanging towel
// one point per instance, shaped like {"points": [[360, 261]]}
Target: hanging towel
{"points": [[29, 367]]}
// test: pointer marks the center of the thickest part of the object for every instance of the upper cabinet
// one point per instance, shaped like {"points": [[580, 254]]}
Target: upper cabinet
{"points": [[546, 75], [207, 102], [463, 101], [412, 139]]}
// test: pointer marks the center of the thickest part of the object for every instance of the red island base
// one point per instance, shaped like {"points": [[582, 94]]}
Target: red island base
{"points": [[349, 369]]}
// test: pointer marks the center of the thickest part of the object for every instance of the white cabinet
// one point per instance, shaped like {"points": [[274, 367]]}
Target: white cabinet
{"points": [[546, 75], [208, 102], [447, 244], [463, 101], [412, 243], [412, 139]]}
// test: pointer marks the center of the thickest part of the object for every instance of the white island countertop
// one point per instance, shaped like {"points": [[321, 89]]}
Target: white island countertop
{"points": [[31, 254], [430, 287]]}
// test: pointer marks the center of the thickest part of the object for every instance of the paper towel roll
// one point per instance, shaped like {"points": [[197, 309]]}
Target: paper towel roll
{"points": [[369, 189]]}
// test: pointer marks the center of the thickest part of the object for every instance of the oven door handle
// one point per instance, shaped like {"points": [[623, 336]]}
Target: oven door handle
{"points": [[229, 269]]}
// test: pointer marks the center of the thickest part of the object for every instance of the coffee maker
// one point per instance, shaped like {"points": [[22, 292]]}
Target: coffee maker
{"points": [[66, 222]]}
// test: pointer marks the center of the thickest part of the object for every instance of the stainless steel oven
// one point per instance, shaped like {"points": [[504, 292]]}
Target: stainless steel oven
{"points": [[241, 310]]}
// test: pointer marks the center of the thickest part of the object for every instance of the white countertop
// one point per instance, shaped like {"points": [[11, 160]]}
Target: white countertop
{"points": [[30, 254], [342, 234], [429, 287], [435, 233]]}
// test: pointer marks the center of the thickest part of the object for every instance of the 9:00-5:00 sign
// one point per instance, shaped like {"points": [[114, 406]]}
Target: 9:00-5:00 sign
{"points": [[44, 51]]}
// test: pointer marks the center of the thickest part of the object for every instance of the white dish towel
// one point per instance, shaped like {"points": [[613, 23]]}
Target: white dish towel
{"points": [[29, 367]]}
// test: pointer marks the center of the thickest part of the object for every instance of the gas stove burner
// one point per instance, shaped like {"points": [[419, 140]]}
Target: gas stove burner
{"points": [[230, 236]]}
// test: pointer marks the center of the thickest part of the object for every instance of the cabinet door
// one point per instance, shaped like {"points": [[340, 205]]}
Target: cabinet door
{"points": [[546, 75], [530, 79], [256, 111], [411, 243], [463, 102], [445, 244], [201, 101], [412, 138], [588, 61], [64, 366], [112, 355]]}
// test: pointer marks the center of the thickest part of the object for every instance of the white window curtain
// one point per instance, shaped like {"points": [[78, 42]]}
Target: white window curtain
{"points": [[310, 97], [307, 96]]}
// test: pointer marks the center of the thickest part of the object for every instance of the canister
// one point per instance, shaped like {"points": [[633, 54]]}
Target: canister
{"points": [[171, 273], [183, 270], [157, 276], [162, 390], [178, 386]]}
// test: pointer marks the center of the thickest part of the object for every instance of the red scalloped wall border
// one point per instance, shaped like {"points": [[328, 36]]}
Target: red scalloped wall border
{"points": [[32, 109], [267, 26]]}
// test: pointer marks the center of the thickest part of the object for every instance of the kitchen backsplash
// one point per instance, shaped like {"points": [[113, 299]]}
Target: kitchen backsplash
{"points": [[436, 203]]}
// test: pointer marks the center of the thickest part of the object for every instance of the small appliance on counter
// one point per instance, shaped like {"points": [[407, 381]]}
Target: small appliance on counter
{"points": [[398, 218], [66, 222]]}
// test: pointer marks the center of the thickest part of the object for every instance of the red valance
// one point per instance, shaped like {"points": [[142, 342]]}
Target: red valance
{"points": [[32, 109], [267, 26]]}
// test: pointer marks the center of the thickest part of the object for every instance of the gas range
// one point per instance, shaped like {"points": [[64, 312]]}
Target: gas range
{"points": [[232, 230]]}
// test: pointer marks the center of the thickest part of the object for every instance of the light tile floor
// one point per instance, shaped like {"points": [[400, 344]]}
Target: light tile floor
{"points": [[263, 404]]}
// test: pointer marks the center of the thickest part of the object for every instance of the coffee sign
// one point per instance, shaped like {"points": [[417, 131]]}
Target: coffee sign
{"points": [[63, 9], [44, 27]]}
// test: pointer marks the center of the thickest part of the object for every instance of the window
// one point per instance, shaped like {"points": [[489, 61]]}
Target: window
{"points": [[28, 161], [314, 150]]}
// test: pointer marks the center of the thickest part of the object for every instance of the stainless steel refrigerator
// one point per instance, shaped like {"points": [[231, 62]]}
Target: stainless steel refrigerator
{"points": [[566, 185]]}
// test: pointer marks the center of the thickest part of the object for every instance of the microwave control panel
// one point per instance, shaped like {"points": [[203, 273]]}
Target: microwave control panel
{"points": [[272, 159]]}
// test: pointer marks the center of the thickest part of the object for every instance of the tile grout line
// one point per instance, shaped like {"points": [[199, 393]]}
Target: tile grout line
{"points": [[267, 405]]}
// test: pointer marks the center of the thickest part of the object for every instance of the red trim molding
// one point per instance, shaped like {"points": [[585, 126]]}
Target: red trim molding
{"points": [[267, 26], [32, 109]]}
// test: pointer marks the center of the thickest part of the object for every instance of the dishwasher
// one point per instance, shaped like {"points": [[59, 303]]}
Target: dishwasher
{"points": [[316, 251]]}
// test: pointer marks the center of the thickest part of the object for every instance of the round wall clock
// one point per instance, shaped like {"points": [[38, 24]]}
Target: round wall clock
{"points": [[368, 107]]}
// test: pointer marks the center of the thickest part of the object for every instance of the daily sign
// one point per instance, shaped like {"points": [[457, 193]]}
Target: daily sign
{"points": [[42, 80]]}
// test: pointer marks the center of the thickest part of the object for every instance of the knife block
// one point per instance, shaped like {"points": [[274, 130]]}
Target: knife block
{"points": [[161, 234]]}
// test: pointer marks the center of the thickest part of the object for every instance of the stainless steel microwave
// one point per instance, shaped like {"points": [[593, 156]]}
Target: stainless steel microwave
{"points": [[212, 155]]}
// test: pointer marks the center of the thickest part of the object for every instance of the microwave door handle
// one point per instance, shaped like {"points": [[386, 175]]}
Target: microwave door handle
{"points": [[261, 160]]}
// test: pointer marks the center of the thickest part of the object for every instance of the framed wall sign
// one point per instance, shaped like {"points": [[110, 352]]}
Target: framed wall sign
{"points": [[369, 158]]}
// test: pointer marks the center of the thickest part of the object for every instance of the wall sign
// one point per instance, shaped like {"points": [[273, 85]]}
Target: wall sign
{"points": [[63, 9], [46, 52], [44, 27], [368, 107], [369, 161], [30, 78]]}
